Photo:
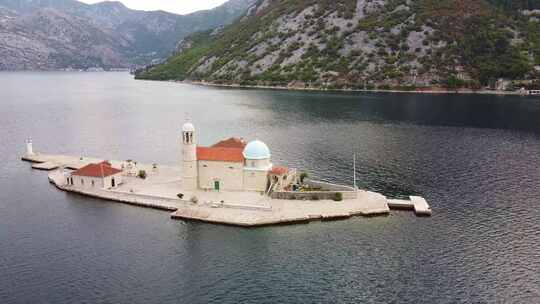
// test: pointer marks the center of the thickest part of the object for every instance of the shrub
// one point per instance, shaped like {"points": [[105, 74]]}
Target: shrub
{"points": [[453, 82], [338, 197], [303, 176], [194, 199], [142, 174], [180, 195]]}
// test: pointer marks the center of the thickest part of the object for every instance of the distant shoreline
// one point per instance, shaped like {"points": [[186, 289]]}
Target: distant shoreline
{"points": [[285, 88]]}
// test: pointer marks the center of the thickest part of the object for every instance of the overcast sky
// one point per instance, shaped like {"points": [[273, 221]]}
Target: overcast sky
{"points": [[174, 6]]}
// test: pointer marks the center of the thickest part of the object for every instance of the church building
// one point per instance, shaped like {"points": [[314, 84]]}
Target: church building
{"points": [[229, 165]]}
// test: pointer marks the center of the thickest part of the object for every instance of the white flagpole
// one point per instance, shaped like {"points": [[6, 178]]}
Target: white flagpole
{"points": [[354, 170]]}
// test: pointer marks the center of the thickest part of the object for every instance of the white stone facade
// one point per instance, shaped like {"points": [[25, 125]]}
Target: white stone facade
{"points": [[227, 175], [89, 182], [222, 168], [255, 180]]}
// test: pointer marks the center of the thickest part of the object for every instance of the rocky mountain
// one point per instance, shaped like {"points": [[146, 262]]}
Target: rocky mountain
{"points": [[55, 34], [357, 44]]}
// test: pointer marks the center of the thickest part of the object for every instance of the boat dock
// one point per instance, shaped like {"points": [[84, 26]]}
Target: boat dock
{"points": [[416, 203]]}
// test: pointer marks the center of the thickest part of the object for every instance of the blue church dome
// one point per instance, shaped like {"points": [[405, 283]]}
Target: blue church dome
{"points": [[256, 150]]}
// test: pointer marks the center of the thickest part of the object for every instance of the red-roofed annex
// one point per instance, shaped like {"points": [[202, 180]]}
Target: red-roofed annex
{"points": [[100, 175], [103, 169]]}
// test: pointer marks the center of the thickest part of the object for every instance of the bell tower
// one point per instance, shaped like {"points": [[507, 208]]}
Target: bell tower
{"points": [[189, 157]]}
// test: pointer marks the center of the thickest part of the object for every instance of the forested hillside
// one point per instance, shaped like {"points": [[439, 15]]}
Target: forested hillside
{"points": [[366, 44]]}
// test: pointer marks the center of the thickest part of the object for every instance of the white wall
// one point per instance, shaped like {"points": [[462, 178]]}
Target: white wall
{"points": [[86, 182], [96, 182], [255, 180], [258, 164], [107, 181], [229, 175]]}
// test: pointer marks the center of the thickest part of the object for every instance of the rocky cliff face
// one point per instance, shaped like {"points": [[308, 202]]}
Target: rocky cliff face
{"points": [[55, 34], [364, 44]]}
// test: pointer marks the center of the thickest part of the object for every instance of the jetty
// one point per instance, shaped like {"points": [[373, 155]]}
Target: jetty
{"points": [[416, 203]]}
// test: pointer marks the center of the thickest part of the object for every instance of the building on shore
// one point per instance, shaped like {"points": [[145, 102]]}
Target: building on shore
{"points": [[230, 165], [101, 175]]}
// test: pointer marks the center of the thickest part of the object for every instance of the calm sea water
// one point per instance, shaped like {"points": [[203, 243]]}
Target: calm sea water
{"points": [[475, 158]]}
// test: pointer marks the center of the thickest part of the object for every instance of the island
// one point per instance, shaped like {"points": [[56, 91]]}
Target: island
{"points": [[232, 182]]}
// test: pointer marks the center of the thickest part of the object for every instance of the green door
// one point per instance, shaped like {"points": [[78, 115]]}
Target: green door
{"points": [[216, 185]]}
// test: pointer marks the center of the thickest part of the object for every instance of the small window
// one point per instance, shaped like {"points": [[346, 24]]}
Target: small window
{"points": [[231, 167], [82, 181], [206, 166], [93, 184]]}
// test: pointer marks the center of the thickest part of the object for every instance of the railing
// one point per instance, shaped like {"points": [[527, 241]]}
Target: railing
{"points": [[271, 188]]}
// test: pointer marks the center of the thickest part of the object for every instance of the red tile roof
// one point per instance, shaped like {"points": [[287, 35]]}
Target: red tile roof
{"points": [[277, 170], [220, 154], [232, 142], [102, 169]]}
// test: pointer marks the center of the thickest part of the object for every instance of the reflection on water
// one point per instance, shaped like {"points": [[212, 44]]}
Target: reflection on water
{"points": [[474, 157]]}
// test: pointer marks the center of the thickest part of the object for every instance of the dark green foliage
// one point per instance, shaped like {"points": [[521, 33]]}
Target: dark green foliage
{"points": [[485, 39], [453, 83], [303, 176], [489, 52]]}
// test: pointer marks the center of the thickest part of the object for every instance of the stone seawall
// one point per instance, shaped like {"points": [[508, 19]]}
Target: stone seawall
{"points": [[328, 191], [326, 186]]}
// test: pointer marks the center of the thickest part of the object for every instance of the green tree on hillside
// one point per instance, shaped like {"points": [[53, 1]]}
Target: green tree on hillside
{"points": [[490, 54]]}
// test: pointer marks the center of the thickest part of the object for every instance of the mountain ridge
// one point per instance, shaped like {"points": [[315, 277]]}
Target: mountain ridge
{"points": [[119, 37], [359, 44]]}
